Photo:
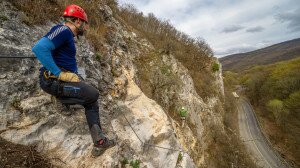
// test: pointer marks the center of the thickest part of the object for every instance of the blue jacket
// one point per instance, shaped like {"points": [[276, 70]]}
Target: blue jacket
{"points": [[56, 50]]}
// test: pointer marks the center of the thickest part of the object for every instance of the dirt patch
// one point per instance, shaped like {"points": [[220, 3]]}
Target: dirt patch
{"points": [[15, 155]]}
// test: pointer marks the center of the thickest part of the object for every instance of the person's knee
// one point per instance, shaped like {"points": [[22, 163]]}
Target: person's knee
{"points": [[95, 96], [92, 94]]}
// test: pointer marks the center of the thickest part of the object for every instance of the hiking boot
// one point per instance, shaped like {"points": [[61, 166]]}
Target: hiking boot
{"points": [[102, 146], [62, 109]]}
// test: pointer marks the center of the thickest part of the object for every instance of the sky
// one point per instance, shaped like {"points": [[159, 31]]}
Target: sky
{"points": [[229, 26]]}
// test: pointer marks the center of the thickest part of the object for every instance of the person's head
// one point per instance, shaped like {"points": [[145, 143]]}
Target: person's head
{"points": [[77, 17]]}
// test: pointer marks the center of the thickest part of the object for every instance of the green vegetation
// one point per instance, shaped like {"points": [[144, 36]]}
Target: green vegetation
{"points": [[275, 86], [226, 143], [16, 103], [132, 163], [179, 159], [278, 52], [166, 70], [215, 67], [194, 54], [135, 163], [274, 90], [3, 17], [277, 108], [98, 56], [157, 82], [124, 161]]}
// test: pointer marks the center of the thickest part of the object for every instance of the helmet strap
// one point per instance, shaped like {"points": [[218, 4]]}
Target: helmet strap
{"points": [[79, 29]]}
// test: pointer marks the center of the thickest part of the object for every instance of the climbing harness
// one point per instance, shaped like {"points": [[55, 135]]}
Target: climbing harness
{"points": [[49, 75]]}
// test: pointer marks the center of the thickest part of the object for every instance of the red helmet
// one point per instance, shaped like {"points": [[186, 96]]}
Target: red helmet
{"points": [[75, 11]]}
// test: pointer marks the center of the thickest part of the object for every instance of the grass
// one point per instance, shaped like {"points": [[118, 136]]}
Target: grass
{"points": [[16, 103], [124, 161], [132, 163], [179, 158], [3, 17], [135, 163]]}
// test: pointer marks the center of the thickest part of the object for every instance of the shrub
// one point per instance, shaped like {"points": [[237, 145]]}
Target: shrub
{"points": [[293, 102], [276, 107], [124, 161], [215, 67], [39, 11], [179, 159], [135, 163]]}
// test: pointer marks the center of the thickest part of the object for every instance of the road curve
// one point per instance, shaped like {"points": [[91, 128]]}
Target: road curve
{"points": [[253, 138]]}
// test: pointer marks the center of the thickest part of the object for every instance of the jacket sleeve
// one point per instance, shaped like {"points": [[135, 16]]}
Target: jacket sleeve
{"points": [[42, 50]]}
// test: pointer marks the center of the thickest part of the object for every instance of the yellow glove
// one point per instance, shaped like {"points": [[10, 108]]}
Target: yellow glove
{"points": [[68, 77]]}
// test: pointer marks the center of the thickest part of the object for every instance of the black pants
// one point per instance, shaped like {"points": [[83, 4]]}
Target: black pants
{"points": [[71, 93]]}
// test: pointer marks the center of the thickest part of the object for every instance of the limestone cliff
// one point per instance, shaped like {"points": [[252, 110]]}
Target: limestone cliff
{"points": [[138, 116]]}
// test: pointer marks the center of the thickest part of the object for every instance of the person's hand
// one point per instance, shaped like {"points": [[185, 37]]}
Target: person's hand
{"points": [[68, 77]]}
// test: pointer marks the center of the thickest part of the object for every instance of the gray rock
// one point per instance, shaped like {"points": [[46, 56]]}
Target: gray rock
{"points": [[28, 115]]}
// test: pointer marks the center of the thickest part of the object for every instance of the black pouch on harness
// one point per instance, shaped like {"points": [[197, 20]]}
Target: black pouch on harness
{"points": [[51, 86]]}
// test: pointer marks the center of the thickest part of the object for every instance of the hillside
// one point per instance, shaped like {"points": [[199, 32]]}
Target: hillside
{"points": [[274, 91], [278, 52], [145, 71]]}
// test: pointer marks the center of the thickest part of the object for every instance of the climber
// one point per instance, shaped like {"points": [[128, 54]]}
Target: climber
{"points": [[59, 77], [183, 114]]}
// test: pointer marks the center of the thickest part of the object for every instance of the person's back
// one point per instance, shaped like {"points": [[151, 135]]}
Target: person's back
{"points": [[64, 54]]}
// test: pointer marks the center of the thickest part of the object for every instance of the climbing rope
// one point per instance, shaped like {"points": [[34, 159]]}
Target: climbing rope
{"points": [[143, 143], [18, 57]]}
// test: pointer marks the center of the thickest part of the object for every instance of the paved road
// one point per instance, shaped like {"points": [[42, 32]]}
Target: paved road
{"points": [[254, 139]]}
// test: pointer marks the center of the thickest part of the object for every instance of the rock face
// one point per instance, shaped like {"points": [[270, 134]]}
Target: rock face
{"points": [[29, 116]]}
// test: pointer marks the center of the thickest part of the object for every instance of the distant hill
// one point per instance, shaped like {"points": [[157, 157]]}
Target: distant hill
{"points": [[278, 52]]}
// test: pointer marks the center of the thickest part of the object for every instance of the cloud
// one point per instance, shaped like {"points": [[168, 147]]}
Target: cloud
{"points": [[292, 18], [255, 29], [235, 50], [232, 28], [217, 21]]}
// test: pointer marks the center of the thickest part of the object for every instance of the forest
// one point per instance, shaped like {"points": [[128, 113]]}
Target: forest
{"points": [[274, 90]]}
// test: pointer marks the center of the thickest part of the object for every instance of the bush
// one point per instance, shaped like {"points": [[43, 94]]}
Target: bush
{"points": [[277, 108], [35, 11], [215, 67], [135, 163], [293, 102]]}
